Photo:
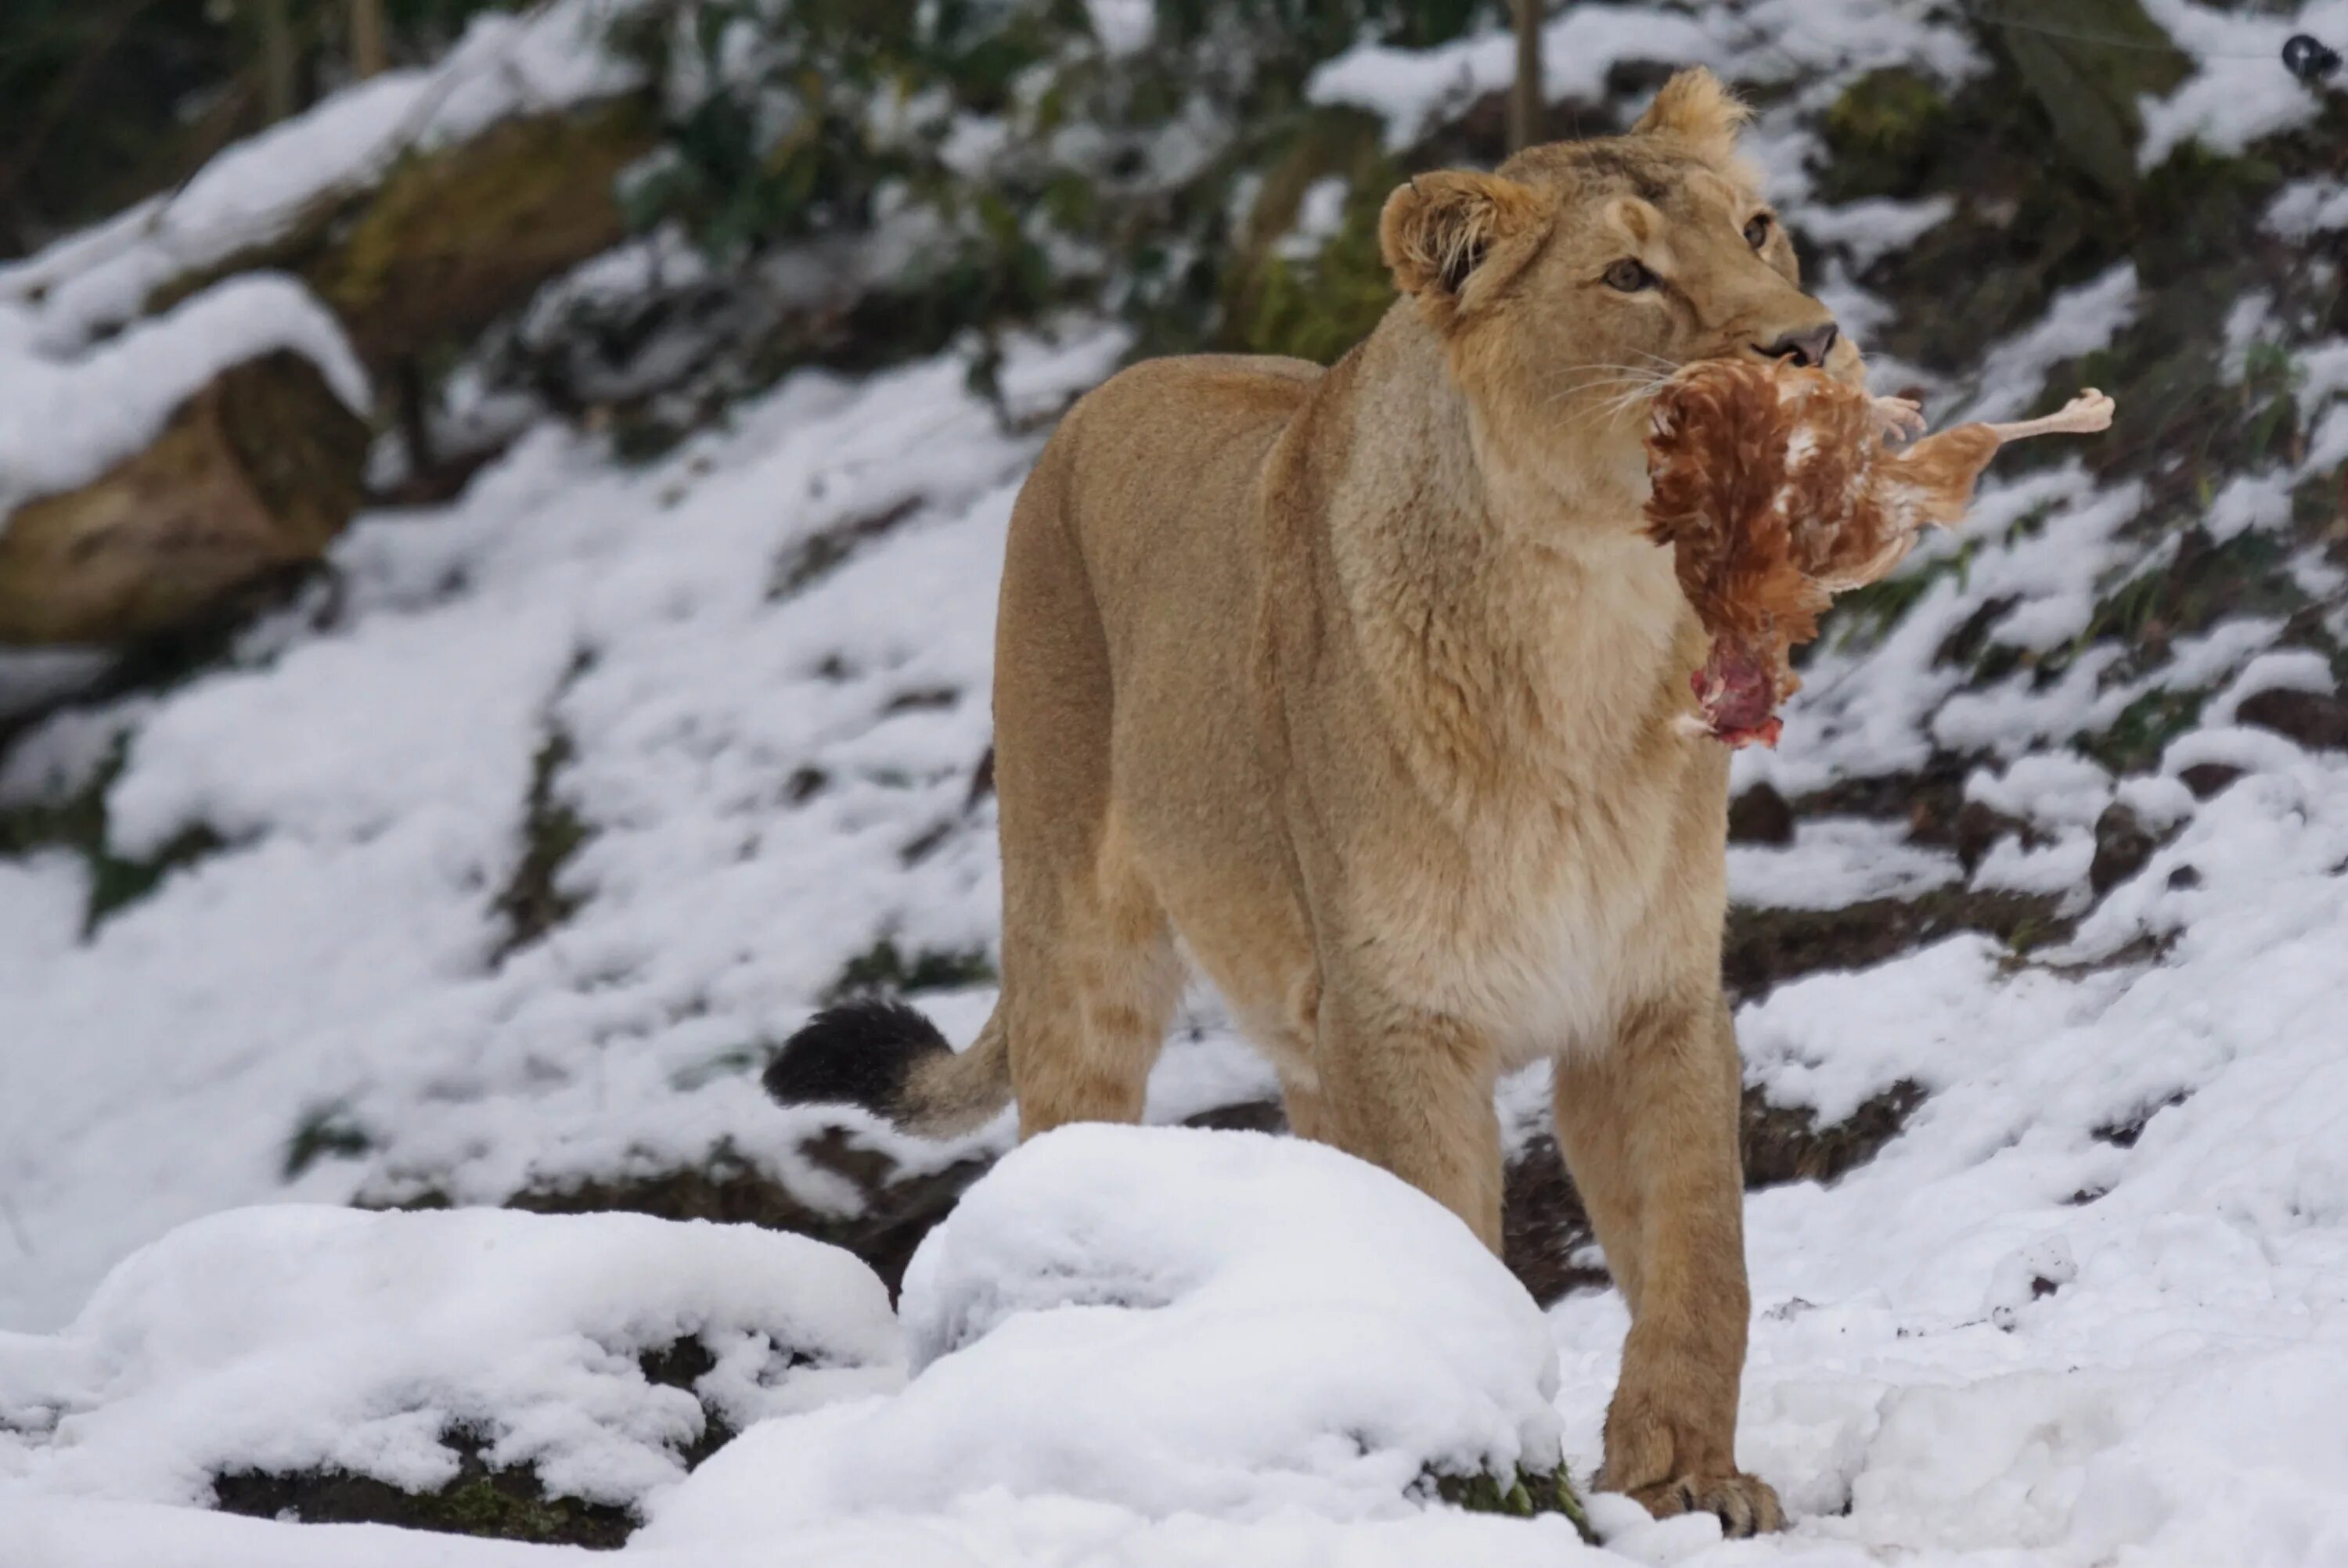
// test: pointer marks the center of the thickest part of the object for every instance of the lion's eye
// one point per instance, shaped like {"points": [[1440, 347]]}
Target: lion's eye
{"points": [[1629, 276], [1756, 233]]}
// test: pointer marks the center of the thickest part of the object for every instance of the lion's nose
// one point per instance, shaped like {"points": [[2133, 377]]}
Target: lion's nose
{"points": [[1809, 346]]}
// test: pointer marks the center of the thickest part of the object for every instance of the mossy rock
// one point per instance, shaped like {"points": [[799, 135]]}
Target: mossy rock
{"points": [[252, 477]]}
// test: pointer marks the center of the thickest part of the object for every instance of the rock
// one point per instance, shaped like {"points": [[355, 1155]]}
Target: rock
{"points": [[2316, 721], [249, 480], [2122, 845], [2205, 779]]}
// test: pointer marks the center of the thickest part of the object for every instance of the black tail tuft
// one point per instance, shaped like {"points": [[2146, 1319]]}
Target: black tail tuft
{"points": [[859, 1053]]}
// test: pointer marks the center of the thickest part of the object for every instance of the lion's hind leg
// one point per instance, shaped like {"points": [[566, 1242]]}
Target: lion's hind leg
{"points": [[1090, 993]]}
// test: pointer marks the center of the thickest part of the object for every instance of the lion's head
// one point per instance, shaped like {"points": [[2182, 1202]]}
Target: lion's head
{"points": [[1581, 274]]}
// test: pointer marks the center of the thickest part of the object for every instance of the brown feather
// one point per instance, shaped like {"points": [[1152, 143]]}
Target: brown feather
{"points": [[1774, 491]]}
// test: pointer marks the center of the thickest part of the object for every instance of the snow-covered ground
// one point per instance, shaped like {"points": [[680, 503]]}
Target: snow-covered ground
{"points": [[2089, 1307]]}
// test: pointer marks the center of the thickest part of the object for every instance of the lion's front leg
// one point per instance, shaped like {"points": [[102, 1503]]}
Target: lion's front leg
{"points": [[1649, 1128]]}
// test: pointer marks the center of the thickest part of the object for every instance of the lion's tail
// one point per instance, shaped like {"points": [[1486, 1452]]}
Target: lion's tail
{"points": [[891, 1059]]}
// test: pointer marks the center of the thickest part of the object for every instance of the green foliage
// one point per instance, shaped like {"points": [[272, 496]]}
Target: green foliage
{"points": [[77, 824], [1529, 1492], [1010, 158], [882, 968], [1882, 134], [535, 901], [2144, 729]]}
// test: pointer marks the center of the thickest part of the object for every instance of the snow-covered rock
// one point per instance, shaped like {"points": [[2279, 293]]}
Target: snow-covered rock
{"points": [[299, 1338]]}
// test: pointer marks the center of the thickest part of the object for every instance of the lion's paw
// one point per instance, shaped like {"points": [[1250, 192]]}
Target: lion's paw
{"points": [[1744, 1504]]}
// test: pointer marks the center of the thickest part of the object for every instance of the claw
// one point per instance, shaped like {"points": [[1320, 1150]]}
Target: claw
{"points": [[1902, 418]]}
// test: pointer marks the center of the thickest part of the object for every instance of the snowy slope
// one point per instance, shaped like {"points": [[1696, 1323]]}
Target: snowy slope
{"points": [[2090, 1307]]}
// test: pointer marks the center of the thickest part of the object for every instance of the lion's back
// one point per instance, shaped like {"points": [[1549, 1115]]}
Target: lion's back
{"points": [[1153, 474]]}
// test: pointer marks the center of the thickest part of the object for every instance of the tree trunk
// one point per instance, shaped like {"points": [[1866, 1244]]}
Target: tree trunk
{"points": [[273, 20], [370, 50], [1526, 102], [253, 477]]}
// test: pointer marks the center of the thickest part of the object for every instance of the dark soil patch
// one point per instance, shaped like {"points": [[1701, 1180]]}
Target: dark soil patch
{"points": [[823, 553], [1765, 948], [1786, 1143], [2124, 1132], [1544, 1229], [1760, 815], [896, 1211]]}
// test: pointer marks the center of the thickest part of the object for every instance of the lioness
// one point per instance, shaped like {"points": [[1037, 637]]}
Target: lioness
{"points": [[1359, 685]]}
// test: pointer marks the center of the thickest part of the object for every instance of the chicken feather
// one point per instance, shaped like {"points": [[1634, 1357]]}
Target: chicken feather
{"points": [[1775, 490]]}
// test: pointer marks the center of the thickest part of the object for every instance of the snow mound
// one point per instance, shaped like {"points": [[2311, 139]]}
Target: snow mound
{"points": [[1170, 1321], [293, 1338]]}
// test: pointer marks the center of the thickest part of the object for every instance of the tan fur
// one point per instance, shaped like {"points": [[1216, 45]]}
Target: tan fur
{"points": [[1362, 686]]}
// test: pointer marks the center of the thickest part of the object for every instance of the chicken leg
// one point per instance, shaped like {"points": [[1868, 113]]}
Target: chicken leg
{"points": [[2084, 415]]}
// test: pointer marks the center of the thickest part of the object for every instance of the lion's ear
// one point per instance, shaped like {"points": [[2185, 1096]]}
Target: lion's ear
{"points": [[1436, 230], [1695, 108]]}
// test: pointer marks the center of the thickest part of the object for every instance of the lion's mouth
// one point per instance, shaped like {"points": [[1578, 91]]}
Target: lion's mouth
{"points": [[1736, 693]]}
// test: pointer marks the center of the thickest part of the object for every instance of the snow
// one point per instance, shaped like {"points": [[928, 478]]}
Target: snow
{"points": [[1301, 1333], [2079, 322], [341, 953], [1413, 90], [290, 1338], [2239, 90], [1835, 862], [65, 421], [1413, 87], [2088, 1308]]}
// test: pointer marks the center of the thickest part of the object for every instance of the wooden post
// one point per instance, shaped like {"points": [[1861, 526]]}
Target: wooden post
{"points": [[370, 50], [1527, 104]]}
